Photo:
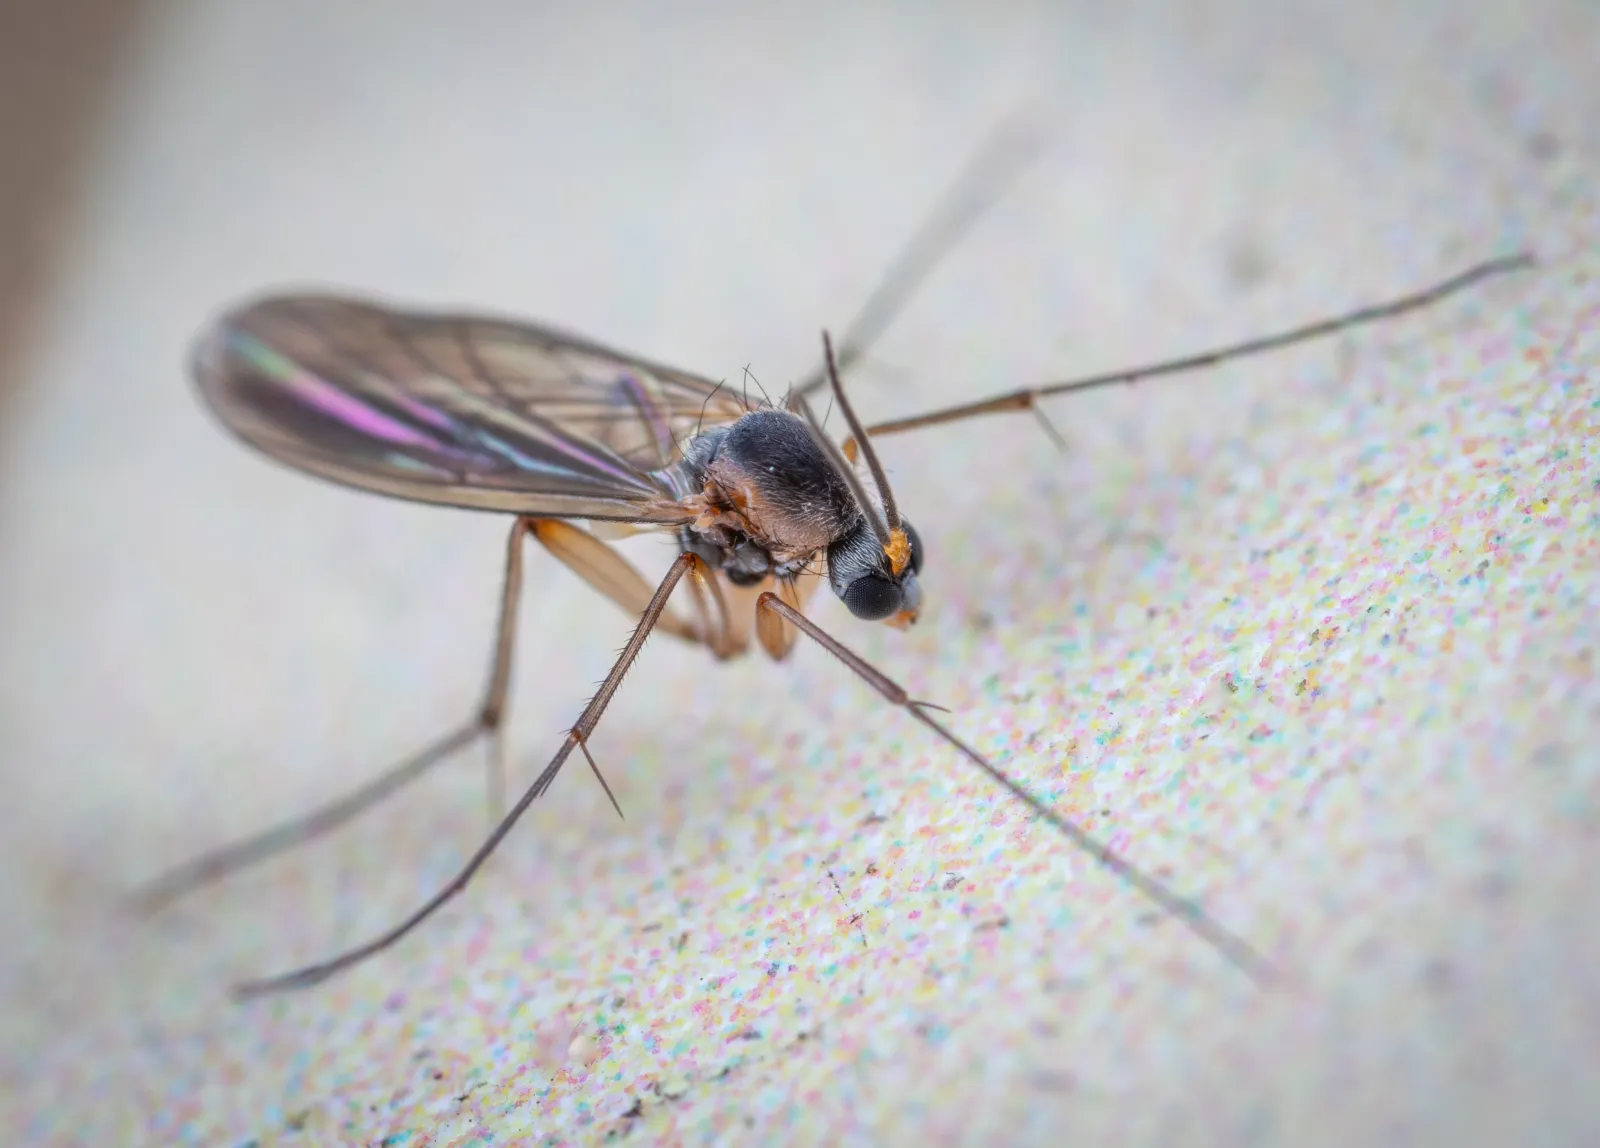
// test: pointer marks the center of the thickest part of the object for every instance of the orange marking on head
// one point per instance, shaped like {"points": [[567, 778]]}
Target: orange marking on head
{"points": [[898, 551], [902, 620]]}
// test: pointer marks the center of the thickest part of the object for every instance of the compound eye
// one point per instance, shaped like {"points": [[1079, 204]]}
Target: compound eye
{"points": [[872, 598], [916, 546]]}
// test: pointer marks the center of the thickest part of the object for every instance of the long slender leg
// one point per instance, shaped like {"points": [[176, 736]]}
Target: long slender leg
{"points": [[228, 859], [602, 567], [577, 738], [981, 180], [777, 639], [588, 557], [1214, 934], [491, 714], [716, 620], [495, 784], [1027, 398]]}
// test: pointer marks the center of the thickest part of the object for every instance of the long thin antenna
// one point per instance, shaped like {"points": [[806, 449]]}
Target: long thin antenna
{"points": [[881, 480], [844, 469]]}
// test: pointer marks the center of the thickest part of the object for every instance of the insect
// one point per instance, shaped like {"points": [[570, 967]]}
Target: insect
{"points": [[553, 429]]}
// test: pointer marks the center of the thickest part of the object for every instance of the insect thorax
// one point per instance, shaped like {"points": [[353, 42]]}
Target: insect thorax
{"points": [[766, 497]]}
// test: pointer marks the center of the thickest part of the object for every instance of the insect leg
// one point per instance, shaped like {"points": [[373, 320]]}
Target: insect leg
{"points": [[605, 569], [588, 557], [228, 859], [577, 738], [1027, 398], [982, 179], [777, 637], [1230, 946], [716, 620]]}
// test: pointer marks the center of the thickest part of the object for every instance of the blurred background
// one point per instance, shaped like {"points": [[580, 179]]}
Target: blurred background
{"points": [[195, 642], [56, 67]]}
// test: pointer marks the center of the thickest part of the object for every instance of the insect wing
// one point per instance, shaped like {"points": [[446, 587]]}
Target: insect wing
{"points": [[455, 409]]}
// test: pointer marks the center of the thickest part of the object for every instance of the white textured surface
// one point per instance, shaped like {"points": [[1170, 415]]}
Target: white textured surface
{"points": [[197, 643]]}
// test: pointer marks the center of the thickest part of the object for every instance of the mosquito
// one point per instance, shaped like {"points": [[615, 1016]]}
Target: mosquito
{"points": [[556, 430]]}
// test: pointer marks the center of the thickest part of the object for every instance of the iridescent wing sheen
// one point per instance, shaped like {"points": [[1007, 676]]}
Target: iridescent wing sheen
{"points": [[463, 410]]}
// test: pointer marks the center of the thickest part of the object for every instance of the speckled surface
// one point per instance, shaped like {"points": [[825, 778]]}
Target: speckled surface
{"points": [[1315, 636]]}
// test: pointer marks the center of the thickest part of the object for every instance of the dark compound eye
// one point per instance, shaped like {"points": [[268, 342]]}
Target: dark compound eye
{"points": [[872, 598], [916, 546]]}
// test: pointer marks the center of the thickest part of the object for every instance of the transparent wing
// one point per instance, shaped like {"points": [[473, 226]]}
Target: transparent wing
{"points": [[456, 409]]}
